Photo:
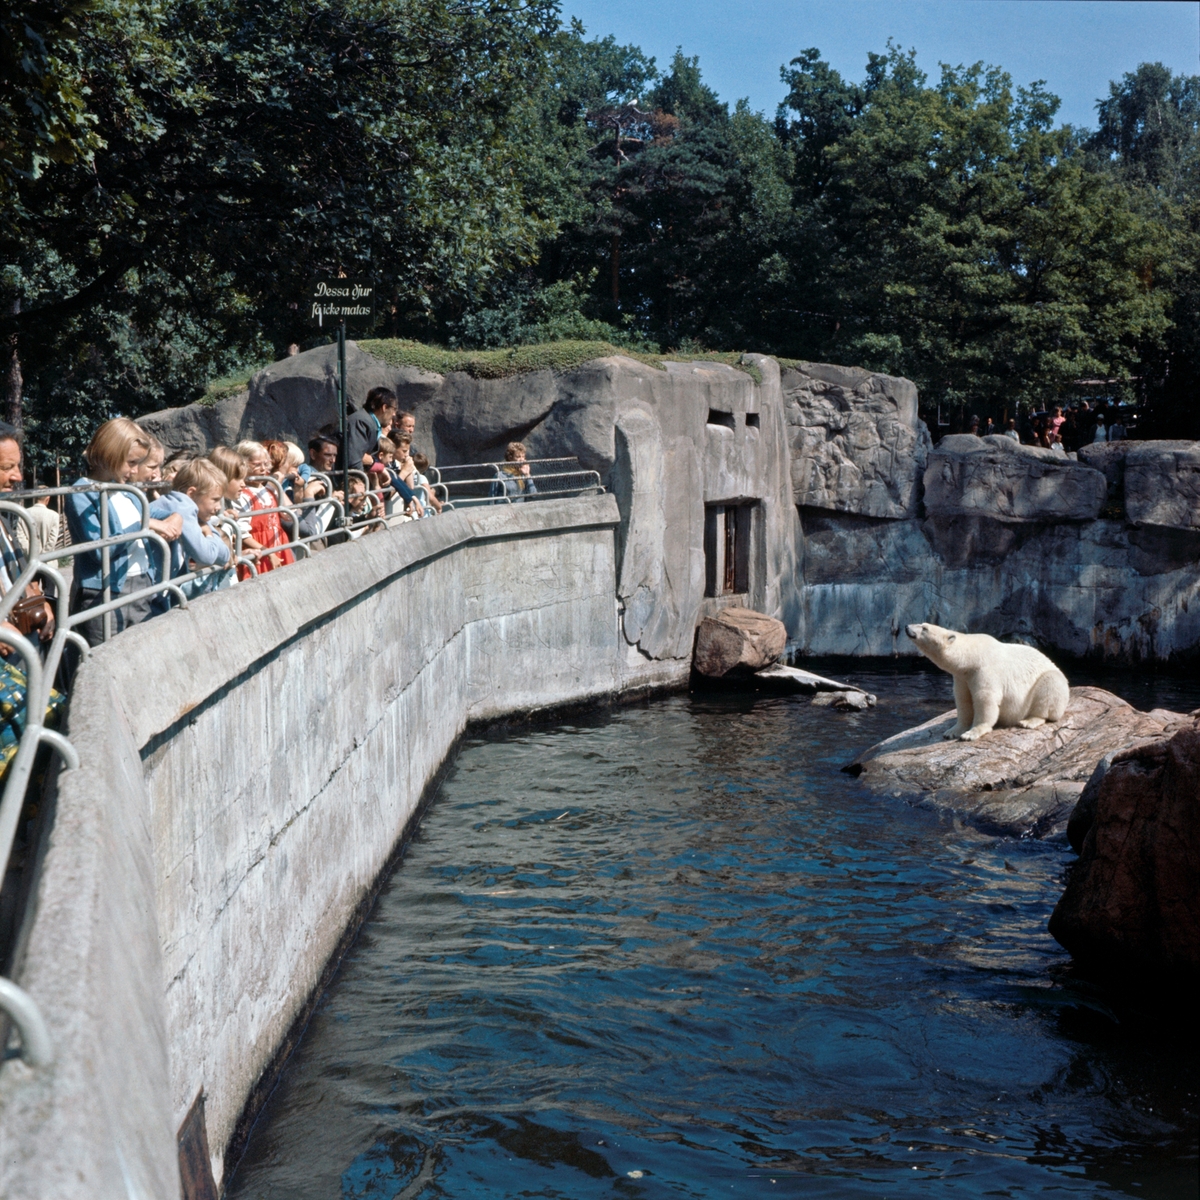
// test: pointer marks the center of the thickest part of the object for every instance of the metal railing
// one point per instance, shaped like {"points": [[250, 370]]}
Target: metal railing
{"points": [[471, 484]]}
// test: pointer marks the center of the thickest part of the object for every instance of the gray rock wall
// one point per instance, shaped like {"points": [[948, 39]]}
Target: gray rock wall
{"points": [[997, 477], [856, 443], [225, 826], [1099, 588], [991, 536], [644, 429], [1094, 556]]}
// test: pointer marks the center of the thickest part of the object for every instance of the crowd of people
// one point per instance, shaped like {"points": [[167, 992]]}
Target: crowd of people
{"points": [[225, 516], [1062, 429]]}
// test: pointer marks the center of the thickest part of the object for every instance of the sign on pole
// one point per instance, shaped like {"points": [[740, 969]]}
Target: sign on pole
{"points": [[331, 300]]}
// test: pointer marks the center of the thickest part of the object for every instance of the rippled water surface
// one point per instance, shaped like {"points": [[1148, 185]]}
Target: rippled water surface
{"points": [[673, 951]]}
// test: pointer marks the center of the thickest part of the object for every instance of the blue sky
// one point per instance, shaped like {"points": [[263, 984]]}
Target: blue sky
{"points": [[1076, 46]]}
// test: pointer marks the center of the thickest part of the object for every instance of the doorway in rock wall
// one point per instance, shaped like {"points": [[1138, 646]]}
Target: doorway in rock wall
{"points": [[728, 529]]}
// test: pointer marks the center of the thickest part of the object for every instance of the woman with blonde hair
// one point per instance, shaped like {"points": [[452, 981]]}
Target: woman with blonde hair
{"points": [[117, 449]]}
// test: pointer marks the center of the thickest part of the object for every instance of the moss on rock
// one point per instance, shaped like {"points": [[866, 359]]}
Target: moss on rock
{"points": [[519, 360]]}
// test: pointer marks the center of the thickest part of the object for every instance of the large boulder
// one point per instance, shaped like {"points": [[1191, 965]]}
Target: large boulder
{"points": [[1132, 905], [290, 399], [998, 477], [1023, 782], [1108, 457], [737, 642], [1162, 484], [857, 444]]}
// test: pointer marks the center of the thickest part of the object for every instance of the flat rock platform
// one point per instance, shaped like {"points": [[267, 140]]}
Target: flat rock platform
{"points": [[1019, 782]]}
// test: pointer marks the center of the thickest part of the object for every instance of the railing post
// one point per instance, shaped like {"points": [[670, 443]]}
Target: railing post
{"points": [[105, 563]]}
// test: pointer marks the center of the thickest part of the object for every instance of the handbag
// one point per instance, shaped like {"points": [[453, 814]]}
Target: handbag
{"points": [[30, 614]]}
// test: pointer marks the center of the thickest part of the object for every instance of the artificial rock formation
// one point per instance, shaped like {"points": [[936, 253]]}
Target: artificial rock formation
{"points": [[1105, 589], [997, 477], [980, 534], [857, 445], [1162, 484], [1132, 905], [1023, 782], [984, 534], [645, 430], [737, 642]]}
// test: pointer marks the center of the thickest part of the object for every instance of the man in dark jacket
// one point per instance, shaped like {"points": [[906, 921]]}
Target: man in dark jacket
{"points": [[365, 427]]}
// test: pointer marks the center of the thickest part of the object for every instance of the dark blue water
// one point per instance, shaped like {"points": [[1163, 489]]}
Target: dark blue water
{"points": [[673, 951]]}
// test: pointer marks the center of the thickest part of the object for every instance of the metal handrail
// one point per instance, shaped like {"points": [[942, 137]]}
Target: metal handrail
{"points": [[36, 1046], [41, 664], [546, 486], [530, 462]]}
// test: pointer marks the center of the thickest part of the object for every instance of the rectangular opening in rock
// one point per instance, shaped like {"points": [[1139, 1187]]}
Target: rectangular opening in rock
{"points": [[752, 420], [716, 417], [727, 542]]}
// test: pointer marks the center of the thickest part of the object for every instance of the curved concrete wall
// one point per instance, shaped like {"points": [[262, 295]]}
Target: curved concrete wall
{"points": [[646, 431], [249, 768]]}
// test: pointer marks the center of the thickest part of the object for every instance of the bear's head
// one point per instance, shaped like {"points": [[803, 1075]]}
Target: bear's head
{"points": [[932, 640]]}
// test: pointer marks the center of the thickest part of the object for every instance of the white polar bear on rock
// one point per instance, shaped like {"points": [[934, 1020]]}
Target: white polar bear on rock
{"points": [[995, 683]]}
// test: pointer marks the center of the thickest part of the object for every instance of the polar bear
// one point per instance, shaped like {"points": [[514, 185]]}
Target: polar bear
{"points": [[995, 683]]}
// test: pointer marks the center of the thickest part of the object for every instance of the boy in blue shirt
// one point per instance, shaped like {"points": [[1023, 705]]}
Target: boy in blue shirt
{"points": [[197, 494]]}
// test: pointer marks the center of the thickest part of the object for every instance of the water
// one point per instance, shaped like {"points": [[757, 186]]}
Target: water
{"points": [[673, 952]]}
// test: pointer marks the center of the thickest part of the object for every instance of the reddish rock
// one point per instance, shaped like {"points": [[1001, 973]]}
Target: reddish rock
{"points": [[737, 642], [1132, 905]]}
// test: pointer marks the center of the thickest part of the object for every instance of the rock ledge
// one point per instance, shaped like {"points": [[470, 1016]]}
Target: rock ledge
{"points": [[1022, 782]]}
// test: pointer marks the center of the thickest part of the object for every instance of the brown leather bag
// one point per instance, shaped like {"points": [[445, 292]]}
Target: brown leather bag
{"points": [[31, 614]]}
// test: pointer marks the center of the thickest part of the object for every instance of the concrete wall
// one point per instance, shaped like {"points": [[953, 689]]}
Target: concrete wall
{"points": [[644, 429], [249, 766], [863, 526]]}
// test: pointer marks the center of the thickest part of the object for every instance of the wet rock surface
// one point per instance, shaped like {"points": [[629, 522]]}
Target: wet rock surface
{"points": [[1104, 588], [850, 700], [737, 642], [997, 477], [791, 679], [857, 444], [1132, 904], [1023, 782]]}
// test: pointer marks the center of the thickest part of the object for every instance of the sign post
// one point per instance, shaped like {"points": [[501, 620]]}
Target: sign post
{"points": [[341, 392], [339, 300]]}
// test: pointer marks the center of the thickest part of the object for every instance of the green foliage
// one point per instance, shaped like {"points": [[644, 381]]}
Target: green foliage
{"points": [[1149, 142], [963, 242], [529, 313], [246, 148], [558, 356], [44, 115], [174, 172]]}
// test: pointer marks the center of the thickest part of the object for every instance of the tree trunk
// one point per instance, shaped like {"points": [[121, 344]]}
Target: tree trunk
{"points": [[616, 268], [13, 381]]}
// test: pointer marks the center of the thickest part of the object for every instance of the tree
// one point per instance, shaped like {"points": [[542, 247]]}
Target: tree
{"points": [[44, 114], [963, 241], [671, 229], [1149, 140], [265, 143]]}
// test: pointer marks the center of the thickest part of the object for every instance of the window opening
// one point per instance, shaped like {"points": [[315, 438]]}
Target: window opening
{"points": [[752, 420], [727, 536], [729, 581], [716, 417]]}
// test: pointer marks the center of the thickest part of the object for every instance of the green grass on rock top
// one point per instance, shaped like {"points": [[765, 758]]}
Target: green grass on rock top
{"points": [[519, 360]]}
